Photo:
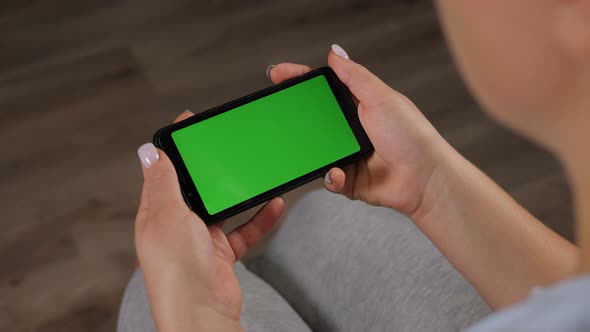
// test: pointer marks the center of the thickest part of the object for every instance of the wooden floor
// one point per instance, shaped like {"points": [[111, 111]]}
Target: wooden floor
{"points": [[83, 84]]}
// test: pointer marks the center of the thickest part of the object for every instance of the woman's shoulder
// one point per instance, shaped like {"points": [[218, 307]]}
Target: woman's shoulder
{"points": [[563, 307]]}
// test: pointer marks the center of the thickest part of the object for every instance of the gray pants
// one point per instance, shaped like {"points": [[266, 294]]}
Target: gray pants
{"points": [[337, 265]]}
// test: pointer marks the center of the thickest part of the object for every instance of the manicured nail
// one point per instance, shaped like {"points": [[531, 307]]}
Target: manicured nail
{"points": [[327, 178], [148, 154], [189, 112], [268, 69], [339, 51]]}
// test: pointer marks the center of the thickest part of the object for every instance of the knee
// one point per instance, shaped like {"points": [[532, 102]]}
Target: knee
{"points": [[135, 314]]}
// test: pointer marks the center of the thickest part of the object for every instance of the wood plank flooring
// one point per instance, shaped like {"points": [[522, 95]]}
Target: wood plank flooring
{"points": [[83, 84]]}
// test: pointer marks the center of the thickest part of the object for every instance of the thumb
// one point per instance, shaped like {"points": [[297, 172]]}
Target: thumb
{"points": [[160, 187], [366, 87]]}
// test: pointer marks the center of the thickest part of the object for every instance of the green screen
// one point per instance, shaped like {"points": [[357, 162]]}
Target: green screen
{"points": [[258, 146]]}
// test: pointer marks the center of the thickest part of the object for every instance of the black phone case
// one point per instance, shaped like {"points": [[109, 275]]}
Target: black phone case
{"points": [[162, 139]]}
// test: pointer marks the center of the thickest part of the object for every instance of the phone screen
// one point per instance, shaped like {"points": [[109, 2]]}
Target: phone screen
{"points": [[253, 148]]}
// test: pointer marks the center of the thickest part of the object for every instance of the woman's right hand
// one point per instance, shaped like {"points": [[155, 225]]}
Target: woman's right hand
{"points": [[407, 147]]}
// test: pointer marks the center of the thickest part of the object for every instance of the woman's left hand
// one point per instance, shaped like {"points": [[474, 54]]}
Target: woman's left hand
{"points": [[189, 267]]}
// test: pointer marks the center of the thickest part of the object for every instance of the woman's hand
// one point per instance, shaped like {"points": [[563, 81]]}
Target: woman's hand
{"points": [[496, 244], [188, 267], [407, 147]]}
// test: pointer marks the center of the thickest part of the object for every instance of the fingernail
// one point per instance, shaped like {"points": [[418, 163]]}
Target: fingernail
{"points": [[148, 154], [339, 51], [327, 178], [268, 69], [189, 112]]}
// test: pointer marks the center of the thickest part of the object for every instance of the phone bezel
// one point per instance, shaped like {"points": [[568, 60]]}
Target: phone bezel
{"points": [[163, 140]]}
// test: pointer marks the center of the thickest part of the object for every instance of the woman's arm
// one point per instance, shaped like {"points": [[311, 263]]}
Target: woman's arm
{"points": [[493, 241]]}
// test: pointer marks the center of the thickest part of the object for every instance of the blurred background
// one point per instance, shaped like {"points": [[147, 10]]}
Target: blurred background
{"points": [[84, 83]]}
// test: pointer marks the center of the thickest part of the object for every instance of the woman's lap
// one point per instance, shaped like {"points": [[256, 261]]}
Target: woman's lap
{"points": [[346, 266], [343, 266]]}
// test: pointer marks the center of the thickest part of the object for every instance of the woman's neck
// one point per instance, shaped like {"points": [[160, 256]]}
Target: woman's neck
{"points": [[582, 213], [584, 240], [571, 135], [576, 159]]}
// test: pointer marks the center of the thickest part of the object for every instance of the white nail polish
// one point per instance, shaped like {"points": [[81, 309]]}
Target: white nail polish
{"points": [[148, 155], [268, 69], [339, 51], [327, 178]]}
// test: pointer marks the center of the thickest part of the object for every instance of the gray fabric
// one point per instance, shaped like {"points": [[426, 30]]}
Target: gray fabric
{"points": [[135, 313], [347, 266], [263, 309], [564, 307]]}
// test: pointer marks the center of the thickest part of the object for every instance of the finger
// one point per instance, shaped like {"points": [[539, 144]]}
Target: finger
{"points": [[245, 236], [285, 71], [162, 176], [335, 180], [366, 87], [183, 116], [342, 180], [160, 188]]}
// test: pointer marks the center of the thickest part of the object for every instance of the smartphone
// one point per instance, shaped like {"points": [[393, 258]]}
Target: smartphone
{"points": [[245, 152]]}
